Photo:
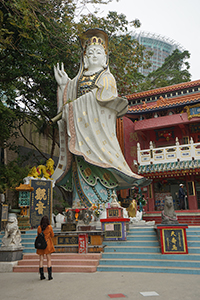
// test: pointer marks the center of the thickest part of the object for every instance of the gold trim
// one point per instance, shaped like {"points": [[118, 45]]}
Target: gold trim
{"points": [[188, 111], [184, 245]]}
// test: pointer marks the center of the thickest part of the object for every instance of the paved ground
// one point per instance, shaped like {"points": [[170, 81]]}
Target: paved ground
{"points": [[98, 286]]}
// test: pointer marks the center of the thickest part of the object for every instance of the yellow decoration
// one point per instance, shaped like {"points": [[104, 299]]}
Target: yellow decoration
{"points": [[132, 209], [43, 171]]}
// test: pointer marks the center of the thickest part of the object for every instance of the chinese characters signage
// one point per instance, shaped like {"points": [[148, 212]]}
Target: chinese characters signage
{"points": [[67, 240], [83, 243], [41, 201], [173, 240]]}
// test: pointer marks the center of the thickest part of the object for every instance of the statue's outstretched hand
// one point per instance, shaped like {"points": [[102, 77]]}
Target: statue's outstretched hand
{"points": [[60, 74]]}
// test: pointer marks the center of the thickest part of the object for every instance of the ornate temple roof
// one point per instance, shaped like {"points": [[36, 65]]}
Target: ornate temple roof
{"points": [[165, 97], [170, 168]]}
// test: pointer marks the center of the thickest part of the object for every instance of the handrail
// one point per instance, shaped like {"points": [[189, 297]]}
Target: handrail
{"points": [[168, 154]]}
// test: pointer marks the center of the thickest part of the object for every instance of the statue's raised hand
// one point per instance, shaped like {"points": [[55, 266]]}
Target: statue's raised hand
{"points": [[60, 74]]}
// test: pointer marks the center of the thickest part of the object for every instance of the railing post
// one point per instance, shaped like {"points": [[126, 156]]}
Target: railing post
{"points": [[178, 149], [151, 152], [192, 148], [138, 153]]}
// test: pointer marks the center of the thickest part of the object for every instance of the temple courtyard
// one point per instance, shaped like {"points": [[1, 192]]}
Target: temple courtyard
{"points": [[100, 286]]}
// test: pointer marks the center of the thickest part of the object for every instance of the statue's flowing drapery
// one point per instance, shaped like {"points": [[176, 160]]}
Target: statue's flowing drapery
{"points": [[91, 162]]}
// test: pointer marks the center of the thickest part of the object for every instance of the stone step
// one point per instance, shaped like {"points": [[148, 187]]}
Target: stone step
{"points": [[61, 262], [150, 262], [132, 249], [141, 238], [138, 243], [175, 270], [65, 256], [57, 269], [58, 262], [150, 255]]}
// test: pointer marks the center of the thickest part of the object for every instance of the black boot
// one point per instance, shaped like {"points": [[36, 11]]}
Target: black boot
{"points": [[41, 274], [50, 273]]}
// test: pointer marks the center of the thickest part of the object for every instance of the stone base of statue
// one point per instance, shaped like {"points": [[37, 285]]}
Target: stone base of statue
{"points": [[8, 254]]}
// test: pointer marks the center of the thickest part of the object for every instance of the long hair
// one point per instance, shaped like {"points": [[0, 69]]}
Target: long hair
{"points": [[44, 222]]}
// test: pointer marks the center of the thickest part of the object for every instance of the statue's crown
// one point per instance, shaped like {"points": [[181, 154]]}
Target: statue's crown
{"points": [[94, 36], [95, 41]]}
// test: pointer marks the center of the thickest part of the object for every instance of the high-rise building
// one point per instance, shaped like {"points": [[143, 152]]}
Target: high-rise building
{"points": [[161, 46]]}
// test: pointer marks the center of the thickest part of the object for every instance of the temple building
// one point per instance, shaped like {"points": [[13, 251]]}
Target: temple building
{"points": [[161, 141]]}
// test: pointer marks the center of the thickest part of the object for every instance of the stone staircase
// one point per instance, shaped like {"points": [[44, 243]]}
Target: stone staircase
{"points": [[141, 253], [61, 263]]}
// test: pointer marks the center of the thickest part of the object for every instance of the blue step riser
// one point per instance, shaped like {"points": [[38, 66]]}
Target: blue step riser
{"points": [[155, 263], [130, 238], [148, 270], [29, 250], [193, 244], [132, 243], [29, 240], [193, 239], [194, 251], [30, 245], [140, 250], [150, 256]]}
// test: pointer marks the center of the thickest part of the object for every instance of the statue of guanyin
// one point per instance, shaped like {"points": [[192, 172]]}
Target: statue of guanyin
{"points": [[91, 163]]}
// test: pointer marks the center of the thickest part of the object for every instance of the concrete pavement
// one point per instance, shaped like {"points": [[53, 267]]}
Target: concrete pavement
{"points": [[99, 285]]}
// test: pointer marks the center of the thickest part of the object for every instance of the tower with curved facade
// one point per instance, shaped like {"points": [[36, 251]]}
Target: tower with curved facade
{"points": [[161, 46]]}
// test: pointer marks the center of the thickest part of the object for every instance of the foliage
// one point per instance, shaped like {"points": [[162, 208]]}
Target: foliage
{"points": [[7, 129], [174, 70], [12, 175]]}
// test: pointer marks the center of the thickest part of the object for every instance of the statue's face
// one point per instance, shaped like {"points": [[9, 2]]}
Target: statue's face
{"points": [[96, 56]]}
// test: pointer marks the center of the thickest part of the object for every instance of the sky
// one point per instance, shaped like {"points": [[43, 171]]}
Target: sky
{"points": [[177, 20]]}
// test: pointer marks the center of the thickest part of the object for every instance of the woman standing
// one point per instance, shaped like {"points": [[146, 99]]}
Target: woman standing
{"points": [[48, 234]]}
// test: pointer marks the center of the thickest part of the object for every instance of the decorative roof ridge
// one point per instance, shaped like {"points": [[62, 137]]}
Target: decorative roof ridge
{"points": [[166, 103], [165, 89]]}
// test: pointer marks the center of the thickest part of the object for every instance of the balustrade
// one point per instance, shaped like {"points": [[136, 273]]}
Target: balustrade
{"points": [[170, 154]]}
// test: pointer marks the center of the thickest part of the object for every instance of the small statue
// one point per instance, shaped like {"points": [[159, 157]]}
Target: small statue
{"points": [[132, 209], [168, 214], [12, 235], [87, 216], [70, 216], [43, 171], [114, 202]]}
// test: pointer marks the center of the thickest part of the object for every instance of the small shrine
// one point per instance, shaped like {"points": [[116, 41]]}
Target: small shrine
{"points": [[24, 204], [115, 226]]}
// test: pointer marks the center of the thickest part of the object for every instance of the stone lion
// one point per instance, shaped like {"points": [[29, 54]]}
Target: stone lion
{"points": [[12, 235], [168, 214]]}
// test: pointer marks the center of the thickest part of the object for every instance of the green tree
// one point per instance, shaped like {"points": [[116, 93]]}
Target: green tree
{"points": [[174, 70], [7, 129], [35, 35]]}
